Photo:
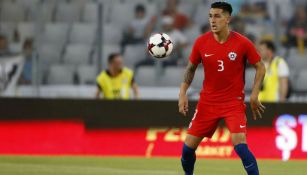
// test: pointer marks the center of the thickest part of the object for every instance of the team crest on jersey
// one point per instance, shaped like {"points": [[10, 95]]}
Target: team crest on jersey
{"points": [[232, 56]]}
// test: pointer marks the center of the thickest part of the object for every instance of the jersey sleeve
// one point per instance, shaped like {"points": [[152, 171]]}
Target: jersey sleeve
{"points": [[251, 53], [283, 69], [195, 56]]}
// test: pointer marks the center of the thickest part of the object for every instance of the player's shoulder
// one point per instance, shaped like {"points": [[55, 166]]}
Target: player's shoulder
{"points": [[103, 73], [127, 71], [101, 76], [205, 37]]}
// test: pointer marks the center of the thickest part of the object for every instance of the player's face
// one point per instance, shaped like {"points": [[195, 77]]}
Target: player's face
{"points": [[218, 19], [117, 63], [264, 51]]}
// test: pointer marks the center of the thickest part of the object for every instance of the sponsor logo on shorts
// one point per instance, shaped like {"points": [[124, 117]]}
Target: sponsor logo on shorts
{"points": [[242, 126]]}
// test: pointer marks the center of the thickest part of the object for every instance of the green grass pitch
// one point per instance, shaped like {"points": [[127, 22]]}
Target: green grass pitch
{"points": [[75, 165]]}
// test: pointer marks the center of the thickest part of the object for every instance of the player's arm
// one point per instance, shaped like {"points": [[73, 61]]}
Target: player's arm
{"points": [[135, 89], [283, 88], [283, 80], [98, 91], [187, 80], [256, 106]]}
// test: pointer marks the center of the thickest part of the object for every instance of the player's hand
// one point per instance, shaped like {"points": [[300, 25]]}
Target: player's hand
{"points": [[256, 107], [183, 104]]}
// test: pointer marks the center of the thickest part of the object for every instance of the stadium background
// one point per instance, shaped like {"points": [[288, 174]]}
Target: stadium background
{"points": [[55, 113]]}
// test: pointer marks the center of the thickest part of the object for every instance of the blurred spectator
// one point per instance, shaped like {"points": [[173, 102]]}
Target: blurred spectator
{"points": [[276, 81], [284, 7], [205, 28], [27, 50], [253, 13], [137, 31], [181, 21], [179, 42], [236, 6], [4, 46], [238, 25], [117, 81], [297, 28]]}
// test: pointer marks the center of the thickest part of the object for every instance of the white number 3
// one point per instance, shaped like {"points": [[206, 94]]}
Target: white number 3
{"points": [[221, 65]]}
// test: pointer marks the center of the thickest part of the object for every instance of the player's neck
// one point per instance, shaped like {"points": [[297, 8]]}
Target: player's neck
{"points": [[114, 72], [222, 36]]}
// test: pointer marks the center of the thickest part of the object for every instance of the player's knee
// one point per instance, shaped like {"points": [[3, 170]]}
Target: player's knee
{"points": [[238, 138], [192, 141]]}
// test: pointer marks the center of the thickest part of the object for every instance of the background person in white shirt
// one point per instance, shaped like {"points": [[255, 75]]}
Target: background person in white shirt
{"points": [[276, 82]]}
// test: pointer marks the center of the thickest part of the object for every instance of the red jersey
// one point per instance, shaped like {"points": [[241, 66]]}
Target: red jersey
{"points": [[224, 67]]}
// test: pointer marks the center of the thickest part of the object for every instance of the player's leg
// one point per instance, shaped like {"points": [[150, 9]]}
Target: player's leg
{"points": [[188, 157], [236, 123], [247, 157], [201, 126]]}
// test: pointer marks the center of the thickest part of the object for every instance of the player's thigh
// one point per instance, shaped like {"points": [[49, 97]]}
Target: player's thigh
{"points": [[202, 125], [236, 123]]}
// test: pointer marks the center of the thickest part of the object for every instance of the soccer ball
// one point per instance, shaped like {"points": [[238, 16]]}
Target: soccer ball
{"points": [[160, 45]]}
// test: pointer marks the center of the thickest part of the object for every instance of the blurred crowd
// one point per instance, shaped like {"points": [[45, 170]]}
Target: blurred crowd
{"points": [[182, 20]]}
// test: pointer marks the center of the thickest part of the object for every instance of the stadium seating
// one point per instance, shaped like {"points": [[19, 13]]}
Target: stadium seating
{"points": [[296, 60], [90, 13], [173, 76], [112, 34], [50, 54], [67, 12], [67, 30], [61, 74], [87, 74], [200, 17], [42, 11], [198, 78], [83, 33], [186, 51], [128, 10], [25, 30], [134, 54], [56, 33], [7, 29], [76, 54], [192, 33], [300, 84], [146, 76], [249, 79], [12, 12], [186, 8]]}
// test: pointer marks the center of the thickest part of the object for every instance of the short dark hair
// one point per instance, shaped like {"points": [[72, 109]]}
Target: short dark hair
{"points": [[112, 56], [140, 8], [269, 44], [225, 6]]}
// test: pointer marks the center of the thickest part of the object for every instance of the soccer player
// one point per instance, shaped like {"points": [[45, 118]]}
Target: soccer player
{"points": [[223, 54]]}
